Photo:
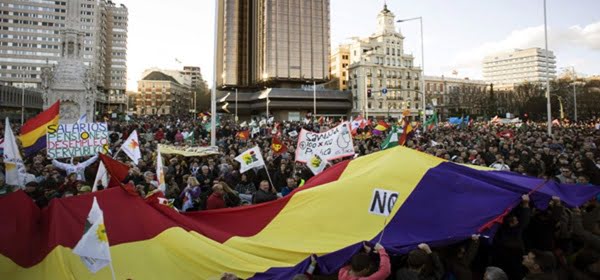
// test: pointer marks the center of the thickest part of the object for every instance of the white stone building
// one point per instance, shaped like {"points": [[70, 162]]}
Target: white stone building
{"points": [[379, 64], [505, 70]]}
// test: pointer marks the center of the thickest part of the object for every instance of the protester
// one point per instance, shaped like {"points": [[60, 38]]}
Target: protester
{"points": [[361, 265], [529, 244]]}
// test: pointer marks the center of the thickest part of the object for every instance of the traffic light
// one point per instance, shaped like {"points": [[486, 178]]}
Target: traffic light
{"points": [[369, 93]]}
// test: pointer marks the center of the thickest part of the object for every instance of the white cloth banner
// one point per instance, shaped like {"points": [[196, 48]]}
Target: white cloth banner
{"points": [[329, 145], [249, 159]]}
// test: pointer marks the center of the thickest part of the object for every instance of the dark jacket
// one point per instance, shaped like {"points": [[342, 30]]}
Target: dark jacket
{"points": [[461, 267], [261, 196]]}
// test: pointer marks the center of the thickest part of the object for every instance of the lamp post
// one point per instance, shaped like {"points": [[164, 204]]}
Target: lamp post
{"points": [[23, 96], [574, 94], [548, 106], [213, 92], [314, 98], [265, 76], [236, 105], [422, 65]]}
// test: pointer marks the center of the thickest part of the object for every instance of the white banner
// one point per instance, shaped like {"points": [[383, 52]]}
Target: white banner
{"points": [[329, 145], [76, 140]]}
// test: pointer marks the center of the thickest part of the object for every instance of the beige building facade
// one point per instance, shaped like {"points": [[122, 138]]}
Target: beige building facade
{"points": [[507, 69], [382, 77], [451, 96], [162, 94], [338, 69]]}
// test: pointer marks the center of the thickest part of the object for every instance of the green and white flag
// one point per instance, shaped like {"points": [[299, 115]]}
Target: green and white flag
{"points": [[189, 138], [93, 247], [391, 140]]}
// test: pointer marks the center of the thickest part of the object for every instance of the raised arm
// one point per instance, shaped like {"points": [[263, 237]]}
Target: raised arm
{"points": [[89, 162], [60, 165]]}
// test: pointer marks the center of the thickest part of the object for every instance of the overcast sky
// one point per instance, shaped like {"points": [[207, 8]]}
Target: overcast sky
{"points": [[458, 33]]}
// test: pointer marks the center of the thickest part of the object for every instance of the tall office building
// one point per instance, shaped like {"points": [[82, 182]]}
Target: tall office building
{"points": [[280, 42], [31, 36], [272, 51], [505, 70]]}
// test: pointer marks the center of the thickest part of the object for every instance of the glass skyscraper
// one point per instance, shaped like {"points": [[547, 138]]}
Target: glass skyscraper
{"points": [[284, 42]]}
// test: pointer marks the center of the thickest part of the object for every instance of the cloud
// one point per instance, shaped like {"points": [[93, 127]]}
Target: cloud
{"points": [[587, 37]]}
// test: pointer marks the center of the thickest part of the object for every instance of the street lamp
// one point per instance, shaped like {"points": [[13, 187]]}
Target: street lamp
{"points": [[265, 76], [213, 92], [548, 106], [422, 65], [23, 96]]}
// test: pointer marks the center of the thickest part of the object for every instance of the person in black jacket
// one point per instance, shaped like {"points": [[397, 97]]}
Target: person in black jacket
{"points": [[265, 193], [508, 243]]}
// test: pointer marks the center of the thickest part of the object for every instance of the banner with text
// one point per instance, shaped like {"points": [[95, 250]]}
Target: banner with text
{"points": [[329, 145], [188, 151], [77, 140]]}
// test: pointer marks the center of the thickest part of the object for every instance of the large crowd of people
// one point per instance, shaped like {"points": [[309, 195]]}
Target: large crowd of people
{"points": [[557, 243]]}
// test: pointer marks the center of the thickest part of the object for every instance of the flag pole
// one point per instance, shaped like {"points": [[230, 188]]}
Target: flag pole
{"points": [[269, 176], [112, 270]]}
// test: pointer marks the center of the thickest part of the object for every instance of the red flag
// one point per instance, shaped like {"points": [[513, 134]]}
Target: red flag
{"points": [[277, 146], [506, 133], [118, 171], [321, 120], [243, 135], [405, 132]]}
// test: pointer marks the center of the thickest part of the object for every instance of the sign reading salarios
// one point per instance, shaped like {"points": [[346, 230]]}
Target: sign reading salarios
{"points": [[329, 145], [76, 140]]}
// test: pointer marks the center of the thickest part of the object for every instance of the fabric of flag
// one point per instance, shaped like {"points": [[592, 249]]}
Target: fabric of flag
{"points": [[255, 131], [357, 123], [160, 173], [406, 132], [316, 164], [189, 138], [455, 120], [33, 131], [101, 177], [507, 133], [432, 122], [251, 158], [1, 146], [382, 126], [131, 147], [274, 240], [93, 247], [15, 173], [117, 170], [277, 146], [391, 140], [243, 135], [83, 118]]}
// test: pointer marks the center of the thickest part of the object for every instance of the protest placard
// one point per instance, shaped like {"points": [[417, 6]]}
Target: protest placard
{"points": [[329, 145], [76, 140]]}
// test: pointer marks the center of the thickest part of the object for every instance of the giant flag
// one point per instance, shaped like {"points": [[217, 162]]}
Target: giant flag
{"points": [[329, 216], [33, 132]]}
